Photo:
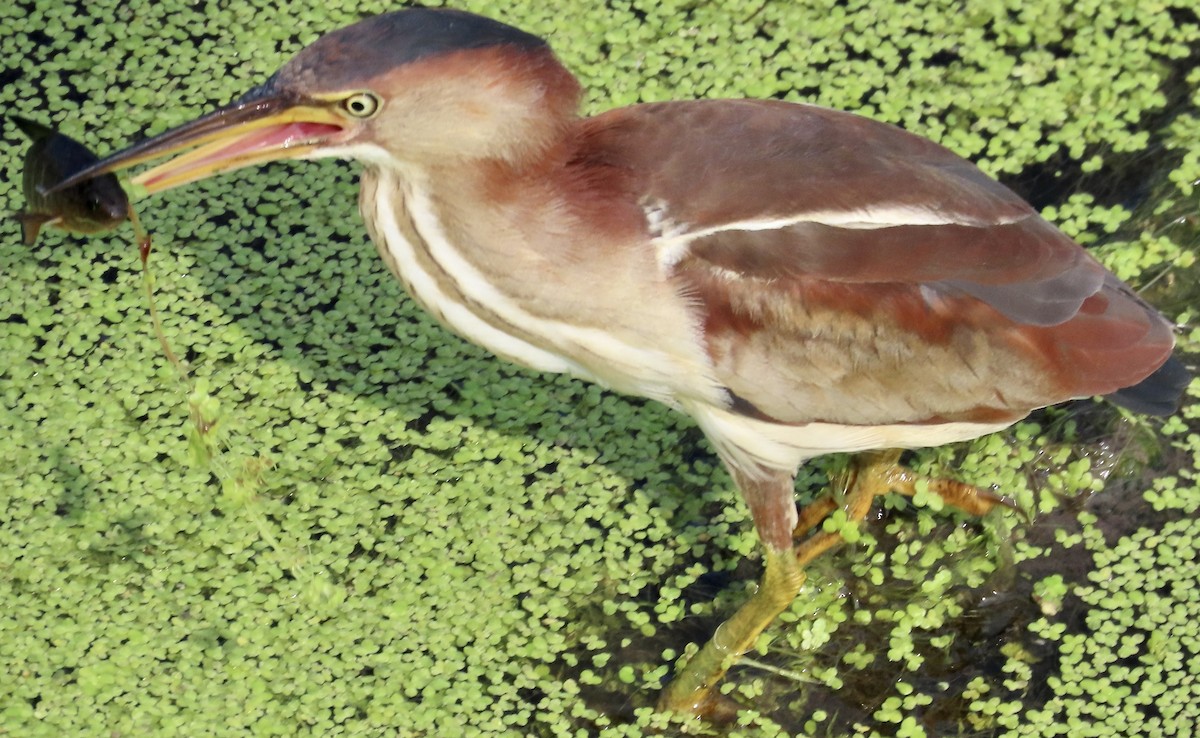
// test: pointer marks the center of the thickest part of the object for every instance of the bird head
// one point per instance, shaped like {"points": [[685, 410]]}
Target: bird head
{"points": [[414, 87]]}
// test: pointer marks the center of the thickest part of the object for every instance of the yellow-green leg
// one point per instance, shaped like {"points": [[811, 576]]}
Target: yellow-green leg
{"points": [[770, 497], [772, 504], [693, 690]]}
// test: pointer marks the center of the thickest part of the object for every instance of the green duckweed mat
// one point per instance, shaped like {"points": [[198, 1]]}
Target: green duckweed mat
{"points": [[353, 523]]}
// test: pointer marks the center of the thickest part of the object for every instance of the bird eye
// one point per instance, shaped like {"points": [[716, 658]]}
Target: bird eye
{"points": [[361, 104]]}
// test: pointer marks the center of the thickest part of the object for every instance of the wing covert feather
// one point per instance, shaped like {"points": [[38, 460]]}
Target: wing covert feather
{"points": [[861, 274]]}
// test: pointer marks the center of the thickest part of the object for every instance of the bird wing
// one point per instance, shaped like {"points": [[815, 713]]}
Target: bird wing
{"points": [[848, 271]]}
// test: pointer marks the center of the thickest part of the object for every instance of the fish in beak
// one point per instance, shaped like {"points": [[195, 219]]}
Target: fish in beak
{"points": [[264, 125], [93, 205]]}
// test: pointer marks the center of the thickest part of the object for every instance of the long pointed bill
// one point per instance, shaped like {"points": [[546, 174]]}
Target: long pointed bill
{"points": [[258, 128]]}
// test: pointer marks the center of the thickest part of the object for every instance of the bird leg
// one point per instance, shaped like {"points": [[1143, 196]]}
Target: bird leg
{"points": [[888, 475], [770, 497], [693, 691], [869, 476]]}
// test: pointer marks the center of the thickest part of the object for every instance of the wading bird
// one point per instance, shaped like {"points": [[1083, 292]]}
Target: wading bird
{"points": [[798, 280]]}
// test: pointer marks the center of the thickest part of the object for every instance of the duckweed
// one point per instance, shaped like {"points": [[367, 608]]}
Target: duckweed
{"points": [[388, 532]]}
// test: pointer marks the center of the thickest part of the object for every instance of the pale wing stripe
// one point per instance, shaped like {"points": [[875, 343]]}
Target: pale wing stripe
{"points": [[889, 217], [673, 244]]}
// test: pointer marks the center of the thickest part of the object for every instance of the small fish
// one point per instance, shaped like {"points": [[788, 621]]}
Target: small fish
{"points": [[91, 206]]}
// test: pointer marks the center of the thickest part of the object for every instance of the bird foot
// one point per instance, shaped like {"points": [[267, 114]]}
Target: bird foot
{"points": [[876, 473], [709, 706], [966, 497]]}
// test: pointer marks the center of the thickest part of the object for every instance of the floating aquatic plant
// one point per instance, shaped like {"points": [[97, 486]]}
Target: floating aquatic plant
{"points": [[403, 533]]}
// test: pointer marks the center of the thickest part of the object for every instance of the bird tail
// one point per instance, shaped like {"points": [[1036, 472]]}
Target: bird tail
{"points": [[1158, 394]]}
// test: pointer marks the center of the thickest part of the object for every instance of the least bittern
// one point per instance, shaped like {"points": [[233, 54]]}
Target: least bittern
{"points": [[798, 280]]}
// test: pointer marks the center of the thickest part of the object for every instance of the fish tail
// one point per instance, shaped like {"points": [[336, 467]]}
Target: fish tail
{"points": [[31, 225]]}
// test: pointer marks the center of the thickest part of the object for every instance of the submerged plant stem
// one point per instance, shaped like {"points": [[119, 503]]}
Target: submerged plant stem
{"points": [[143, 241]]}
